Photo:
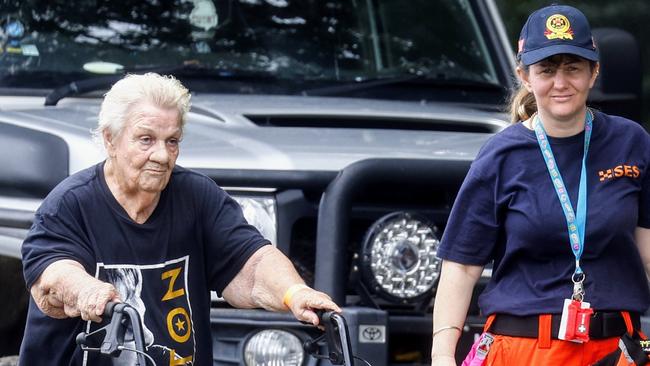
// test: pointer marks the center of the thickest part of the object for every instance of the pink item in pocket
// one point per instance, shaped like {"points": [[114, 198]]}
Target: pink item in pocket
{"points": [[479, 351]]}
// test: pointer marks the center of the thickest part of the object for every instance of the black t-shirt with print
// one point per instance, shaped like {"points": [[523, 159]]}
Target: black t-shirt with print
{"points": [[196, 240]]}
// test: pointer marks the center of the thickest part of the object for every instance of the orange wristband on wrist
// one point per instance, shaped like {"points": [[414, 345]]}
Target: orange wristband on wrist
{"points": [[286, 299]]}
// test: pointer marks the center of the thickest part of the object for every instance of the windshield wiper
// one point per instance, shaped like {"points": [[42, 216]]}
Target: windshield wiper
{"points": [[80, 87], [101, 82], [185, 69], [398, 80]]}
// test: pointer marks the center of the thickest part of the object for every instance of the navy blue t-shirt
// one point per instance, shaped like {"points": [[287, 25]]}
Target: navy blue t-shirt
{"points": [[196, 240], [508, 211]]}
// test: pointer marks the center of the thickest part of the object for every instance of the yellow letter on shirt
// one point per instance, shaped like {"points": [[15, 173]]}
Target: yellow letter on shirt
{"points": [[171, 293]]}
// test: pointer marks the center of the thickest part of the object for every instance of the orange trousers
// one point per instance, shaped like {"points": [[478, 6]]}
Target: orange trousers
{"points": [[515, 351], [542, 351]]}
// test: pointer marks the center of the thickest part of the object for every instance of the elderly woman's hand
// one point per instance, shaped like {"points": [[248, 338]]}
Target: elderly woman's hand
{"points": [[303, 301], [265, 277], [92, 298], [65, 290]]}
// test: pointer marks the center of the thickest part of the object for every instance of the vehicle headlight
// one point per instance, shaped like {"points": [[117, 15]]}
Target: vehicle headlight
{"points": [[273, 347], [399, 257], [259, 211]]}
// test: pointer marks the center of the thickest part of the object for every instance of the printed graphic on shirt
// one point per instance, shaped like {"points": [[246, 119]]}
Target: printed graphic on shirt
{"points": [[619, 171], [160, 295]]}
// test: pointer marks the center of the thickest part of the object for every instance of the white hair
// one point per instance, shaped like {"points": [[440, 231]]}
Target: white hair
{"points": [[161, 91]]}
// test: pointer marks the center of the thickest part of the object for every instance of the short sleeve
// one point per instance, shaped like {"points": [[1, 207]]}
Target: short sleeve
{"points": [[55, 236], [644, 197], [230, 240], [473, 225]]}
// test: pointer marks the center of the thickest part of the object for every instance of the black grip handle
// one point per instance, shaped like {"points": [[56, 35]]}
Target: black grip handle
{"points": [[338, 339], [321, 315], [108, 309], [81, 339]]}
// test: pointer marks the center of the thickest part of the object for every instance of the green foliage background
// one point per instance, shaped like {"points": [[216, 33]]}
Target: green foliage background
{"points": [[630, 15]]}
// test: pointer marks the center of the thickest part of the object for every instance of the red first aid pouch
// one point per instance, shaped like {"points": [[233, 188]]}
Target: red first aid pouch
{"points": [[574, 325]]}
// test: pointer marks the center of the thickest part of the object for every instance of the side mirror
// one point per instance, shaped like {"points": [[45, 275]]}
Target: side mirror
{"points": [[618, 88]]}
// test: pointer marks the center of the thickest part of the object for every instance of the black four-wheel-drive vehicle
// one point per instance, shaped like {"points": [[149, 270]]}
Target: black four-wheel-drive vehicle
{"points": [[343, 127]]}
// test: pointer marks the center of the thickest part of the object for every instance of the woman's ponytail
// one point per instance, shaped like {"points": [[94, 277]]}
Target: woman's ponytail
{"points": [[522, 102], [522, 105]]}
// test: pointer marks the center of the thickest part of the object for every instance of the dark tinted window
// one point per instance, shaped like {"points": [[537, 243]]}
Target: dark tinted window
{"points": [[46, 43]]}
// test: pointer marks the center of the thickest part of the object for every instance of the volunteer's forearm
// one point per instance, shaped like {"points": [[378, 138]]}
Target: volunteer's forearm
{"points": [[450, 309], [642, 239]]}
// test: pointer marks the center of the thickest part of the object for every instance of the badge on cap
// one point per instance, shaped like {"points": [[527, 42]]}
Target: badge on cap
{"points": [[558, 27]]}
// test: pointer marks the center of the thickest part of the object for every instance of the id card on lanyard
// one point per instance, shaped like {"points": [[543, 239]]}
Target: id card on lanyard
{"points": [[576, 314]]}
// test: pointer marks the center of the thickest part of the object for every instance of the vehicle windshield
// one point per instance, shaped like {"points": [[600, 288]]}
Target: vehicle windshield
{"points": [[275, 46]]}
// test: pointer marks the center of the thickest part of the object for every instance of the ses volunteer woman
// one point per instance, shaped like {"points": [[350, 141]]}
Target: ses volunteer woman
{"points": [[560, 202]]}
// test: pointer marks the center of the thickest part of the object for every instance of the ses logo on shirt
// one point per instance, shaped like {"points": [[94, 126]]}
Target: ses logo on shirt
{"points": [[619, 171], [159, 293]]}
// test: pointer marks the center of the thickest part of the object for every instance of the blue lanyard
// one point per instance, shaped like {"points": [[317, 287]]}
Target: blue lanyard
{"points": [[576, 222]]}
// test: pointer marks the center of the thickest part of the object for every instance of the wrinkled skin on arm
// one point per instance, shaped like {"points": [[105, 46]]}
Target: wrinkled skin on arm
{"points": [[66, 290], [263, 281]]}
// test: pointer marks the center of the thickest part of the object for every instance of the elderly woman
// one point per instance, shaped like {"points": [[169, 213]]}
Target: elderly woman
{"points": [[560, 203], [137, 209]]}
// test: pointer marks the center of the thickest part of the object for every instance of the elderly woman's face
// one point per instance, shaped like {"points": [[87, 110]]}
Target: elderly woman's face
{"points": [[145, 153]]}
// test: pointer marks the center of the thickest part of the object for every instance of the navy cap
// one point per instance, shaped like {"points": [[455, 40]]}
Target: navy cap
{"points": [[554, 30]]}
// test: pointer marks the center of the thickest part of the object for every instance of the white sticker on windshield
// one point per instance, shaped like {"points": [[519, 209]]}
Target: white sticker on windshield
{"points": [[29, 50], [278, 3], [204, 15]]}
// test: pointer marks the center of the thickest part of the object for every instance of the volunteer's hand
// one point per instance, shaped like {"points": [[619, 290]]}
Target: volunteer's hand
{"points": [[304, 301]]}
